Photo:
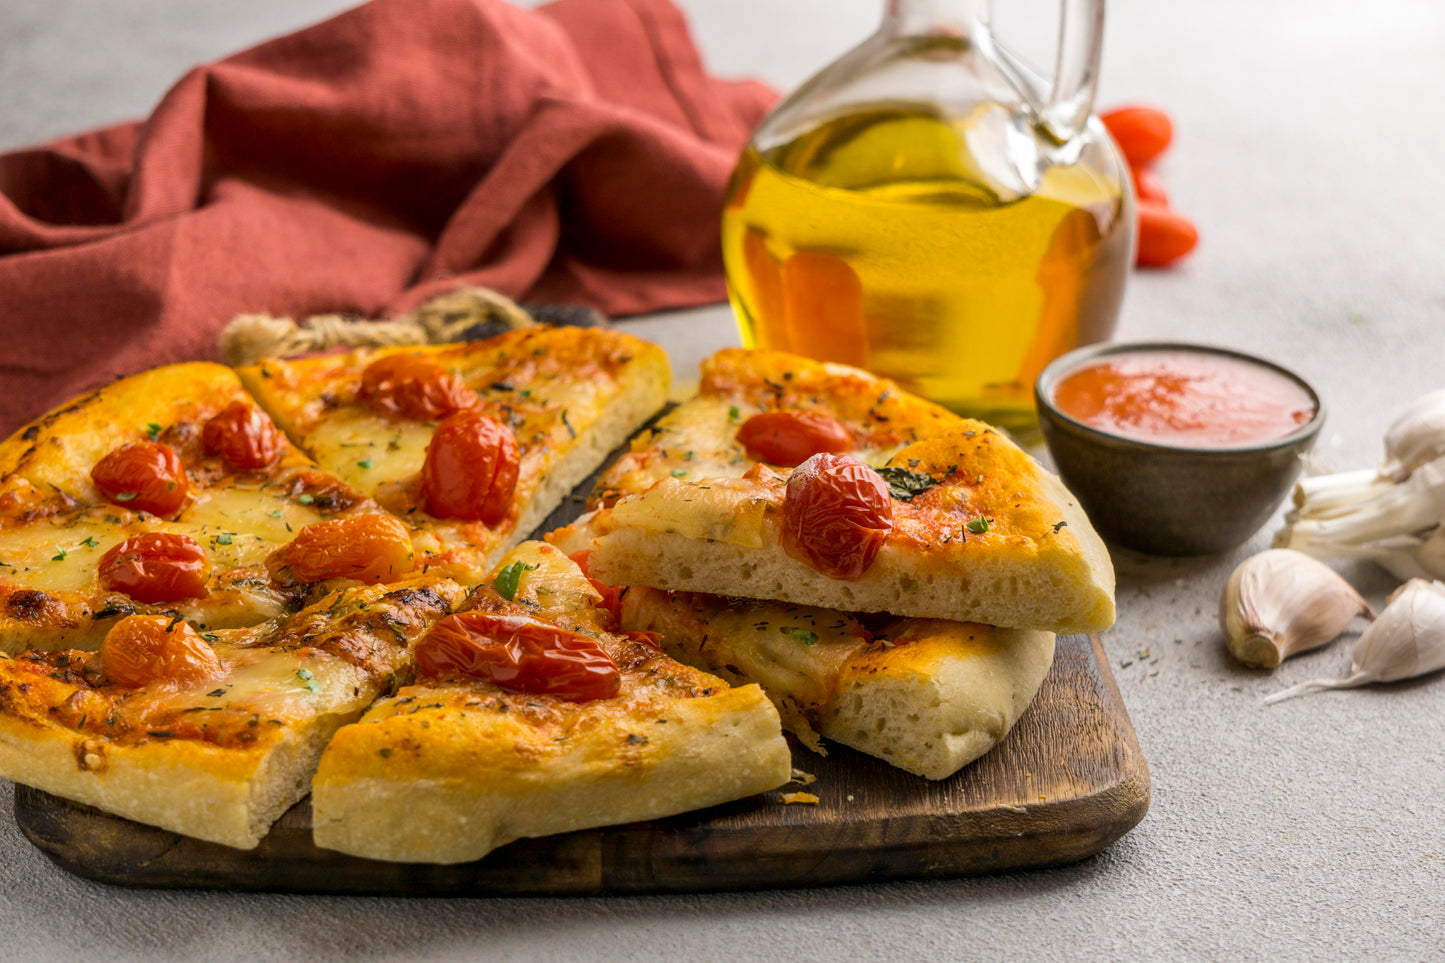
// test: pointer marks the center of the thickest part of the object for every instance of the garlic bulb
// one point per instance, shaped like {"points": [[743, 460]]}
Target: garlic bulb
{"points": [[1408, 639], [1281, 602], [1417, 436]]}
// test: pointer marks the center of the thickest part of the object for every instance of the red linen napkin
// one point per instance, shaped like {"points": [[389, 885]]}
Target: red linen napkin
{"points": [[576, 152]]}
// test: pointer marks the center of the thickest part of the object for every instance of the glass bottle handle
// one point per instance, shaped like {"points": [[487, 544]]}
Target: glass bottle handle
{"points": [[1076, 70]]}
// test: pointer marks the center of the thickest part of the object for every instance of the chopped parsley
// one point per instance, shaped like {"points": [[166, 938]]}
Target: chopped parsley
{"points": [[211, 637], [59, 555], [906, 485], [276, 513], [509, 578], [308, 681], [153, 431], [224, 538], [679, 472], [305, 498], [90, 542], [805, 637], [364, 463], [734, 413], [977, 525]]}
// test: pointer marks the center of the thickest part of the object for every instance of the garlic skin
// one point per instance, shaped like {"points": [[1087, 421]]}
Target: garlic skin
{"points": [[1416, 436], [1405, 641], [1282, 602]]}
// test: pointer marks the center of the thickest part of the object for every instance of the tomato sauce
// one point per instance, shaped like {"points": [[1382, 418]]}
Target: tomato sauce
{"points": [[1184, 398]]}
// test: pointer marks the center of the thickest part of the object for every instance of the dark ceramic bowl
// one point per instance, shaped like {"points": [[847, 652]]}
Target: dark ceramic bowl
{"points": [[1163, 499]]}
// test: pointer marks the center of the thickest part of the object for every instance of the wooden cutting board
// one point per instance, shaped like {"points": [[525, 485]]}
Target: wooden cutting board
{"points": [[1067, 782]]}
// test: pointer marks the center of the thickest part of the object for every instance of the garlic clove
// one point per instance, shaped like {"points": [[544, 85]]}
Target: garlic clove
{"points": [[1405, 641], [1282, 602], [1416, 436]]}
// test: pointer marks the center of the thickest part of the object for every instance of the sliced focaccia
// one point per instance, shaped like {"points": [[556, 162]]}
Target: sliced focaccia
{"points": [[958, 523], [472, 444], [165, 492], [927, 695], [531, 715], [212, 734]]}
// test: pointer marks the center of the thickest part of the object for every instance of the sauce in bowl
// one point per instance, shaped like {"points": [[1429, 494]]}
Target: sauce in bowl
{"points": [[1184, 398]]}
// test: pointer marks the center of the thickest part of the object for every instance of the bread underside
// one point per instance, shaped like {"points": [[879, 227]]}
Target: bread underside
{"points": [[473, 789], [930, 698]]}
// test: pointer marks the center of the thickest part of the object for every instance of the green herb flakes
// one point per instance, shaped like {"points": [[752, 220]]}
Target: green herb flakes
{"points": [[308, 681], [977, 525], [153, 431], [59, 555], [905, 485]]}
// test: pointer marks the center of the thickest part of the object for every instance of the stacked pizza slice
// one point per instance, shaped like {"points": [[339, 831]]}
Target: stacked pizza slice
{"points": [[221, 590], [892, 574]]}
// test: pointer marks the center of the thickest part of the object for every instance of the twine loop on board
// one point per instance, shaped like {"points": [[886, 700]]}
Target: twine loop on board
{"points": [[460, 314]]}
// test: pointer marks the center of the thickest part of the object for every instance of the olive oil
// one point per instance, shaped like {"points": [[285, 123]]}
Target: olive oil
{"points": [[871, 240]]}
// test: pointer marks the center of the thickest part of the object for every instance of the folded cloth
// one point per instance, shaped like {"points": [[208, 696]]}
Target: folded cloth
{"points": [[573, 153]]}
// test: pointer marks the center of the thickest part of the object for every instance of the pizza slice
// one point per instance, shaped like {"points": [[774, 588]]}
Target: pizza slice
{"points": [[930, 516], [215, 734], [532, 715], [473, 444], [166, 492], [926, 695]]}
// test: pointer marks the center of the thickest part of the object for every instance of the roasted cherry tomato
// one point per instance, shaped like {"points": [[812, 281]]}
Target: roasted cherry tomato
{"points": [[836, 514], [1164, 236], [141, 649], [1142, 133], [244, 436], [156, 567], [1147, 187], [147, 476], [368, 548], [405, 386], [791, 437], [519, 653], [471, 469]]}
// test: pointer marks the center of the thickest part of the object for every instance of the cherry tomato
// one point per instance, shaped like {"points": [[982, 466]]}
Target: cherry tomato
{"points": [[147, 476], [791, 437], [1147, 187], [471, 469], [519, 653], [368, 548], [1164, 236], [156, 567], [1142, 133], [244, 436], [141, 649], [836, 514], [405, 386]]}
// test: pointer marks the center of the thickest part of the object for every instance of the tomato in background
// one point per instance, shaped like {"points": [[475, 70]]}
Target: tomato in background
{"points": [[405, 386], [244, 436], [369, 548], [792, 437], [1142, 133]]}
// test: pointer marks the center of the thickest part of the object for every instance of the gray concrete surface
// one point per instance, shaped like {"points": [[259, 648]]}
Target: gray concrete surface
{"points": [[1308, 151]]}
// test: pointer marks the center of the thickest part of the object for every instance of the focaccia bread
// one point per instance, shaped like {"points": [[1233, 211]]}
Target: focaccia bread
{"points": [[927, 695], [551, 403], [457, 764], [958, 524], [214, 734], [178, 464]]}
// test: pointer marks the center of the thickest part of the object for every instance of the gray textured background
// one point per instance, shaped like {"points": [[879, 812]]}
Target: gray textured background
{"points": [[1309, 137]]}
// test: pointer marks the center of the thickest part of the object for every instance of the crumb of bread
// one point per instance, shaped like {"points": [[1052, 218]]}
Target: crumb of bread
{"points": [[799, 798], [803, 778]]}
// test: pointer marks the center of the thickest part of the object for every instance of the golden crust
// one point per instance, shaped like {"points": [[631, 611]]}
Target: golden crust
{"points": [[570, 395], [449, 769]]}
